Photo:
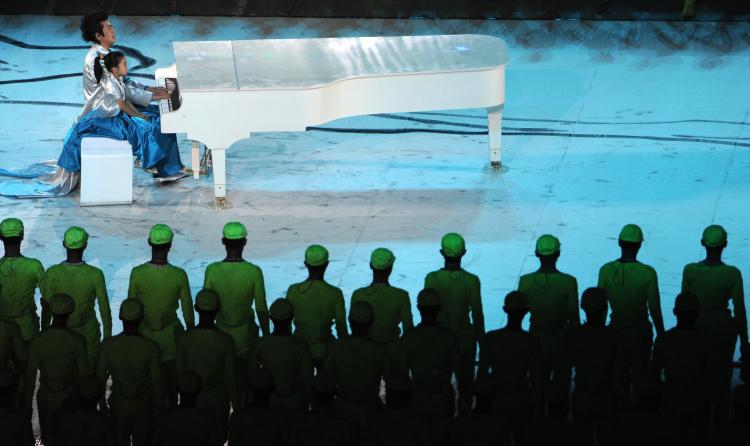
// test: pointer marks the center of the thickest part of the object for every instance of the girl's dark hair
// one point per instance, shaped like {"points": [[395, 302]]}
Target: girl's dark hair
{"points": [[110, 61], [92, 24]]}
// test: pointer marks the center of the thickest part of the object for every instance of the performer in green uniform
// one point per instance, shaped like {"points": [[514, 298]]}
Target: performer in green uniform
{"points": [[391, 305], [132, 361], [160, 287], [430, 355], [460, 292], [19, 279], [597, 353], [633, 293], [681, 357], [85, 284], [716, 284], [186, 425], [511, 357], [553, 306], [288, 359], [210, 353], [60, 356], [317, 305], [358, 364], [240, 286], [13, 353]]}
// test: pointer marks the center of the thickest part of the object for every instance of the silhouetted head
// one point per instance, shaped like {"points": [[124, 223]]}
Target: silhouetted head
{"points": [[428, 304], [96, 28], [90, 390], [452, 247], [316, 261], [75, 240], [282, 314], [131, 314], [207, 304], [398, 391], [686, 309], [516, 304], [11, 232], [189, 385], [261, 385], [361, 317], [61, 306], [323, 391], [714, 239], [594, 304]]}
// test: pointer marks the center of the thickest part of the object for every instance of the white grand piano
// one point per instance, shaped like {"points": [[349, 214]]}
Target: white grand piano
{"points": [[223, 91]]}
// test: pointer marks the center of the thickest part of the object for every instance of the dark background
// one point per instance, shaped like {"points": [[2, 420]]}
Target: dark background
{"points": [[709, 10]]}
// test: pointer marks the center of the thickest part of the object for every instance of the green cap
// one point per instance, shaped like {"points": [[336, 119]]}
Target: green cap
{"points": [[361, 312], [714, 236], [631, 233], [234, 230], [75, 237], [686, 302], [61, 304], [594, 300], [261, 379], [382, 258], [189, 382], [428, 297], [547, 245], [516, 301], [11, 227], [7, 378], [131, 310], [453, 245], [207, 300], [316, 255], [89, 387], [324, 383], [281, 309], [160, 234]]}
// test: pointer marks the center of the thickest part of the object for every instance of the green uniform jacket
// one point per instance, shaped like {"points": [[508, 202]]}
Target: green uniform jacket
{"points": [[430, 355], [239, 285], [133, 363], [317, 305], [553, 301], [715, 286], [59, 354], [391, 306], [461, 294], [19, 279], [633, 292]]}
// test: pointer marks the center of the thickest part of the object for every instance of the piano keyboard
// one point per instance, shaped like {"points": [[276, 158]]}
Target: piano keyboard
{"points": [[173, 102]]}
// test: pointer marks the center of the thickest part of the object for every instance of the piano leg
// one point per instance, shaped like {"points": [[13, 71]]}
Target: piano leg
{"points": [[495, 130], [196, 159], [220, 176]]}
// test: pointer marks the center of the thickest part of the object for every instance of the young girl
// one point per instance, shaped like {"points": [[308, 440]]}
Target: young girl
{"points": [[108, 113]]}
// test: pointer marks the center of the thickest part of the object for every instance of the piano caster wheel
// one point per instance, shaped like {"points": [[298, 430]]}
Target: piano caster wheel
{"points": [[221, 202], [496, 165]]}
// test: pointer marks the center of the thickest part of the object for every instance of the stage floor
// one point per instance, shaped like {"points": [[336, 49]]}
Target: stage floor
{"points": [[606, 123]]}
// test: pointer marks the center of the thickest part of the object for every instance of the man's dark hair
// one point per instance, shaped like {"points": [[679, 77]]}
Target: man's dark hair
{"points": [[92, 24]]}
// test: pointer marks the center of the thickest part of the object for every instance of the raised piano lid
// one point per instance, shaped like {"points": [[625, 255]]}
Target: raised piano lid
{"points": [[310, 63]]}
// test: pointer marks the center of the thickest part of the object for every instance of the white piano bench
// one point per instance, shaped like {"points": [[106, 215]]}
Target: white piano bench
{"points": [[106, 171]]}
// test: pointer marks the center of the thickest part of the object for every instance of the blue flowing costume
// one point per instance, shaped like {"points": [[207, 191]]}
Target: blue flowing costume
{"points": [[102, 118]]}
